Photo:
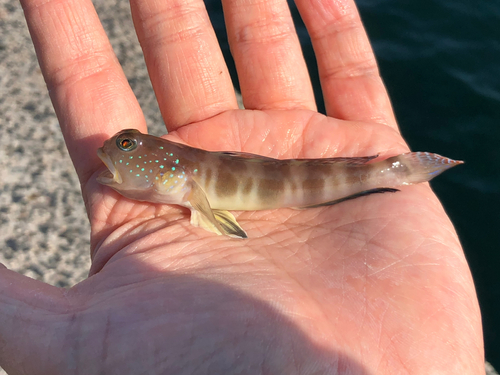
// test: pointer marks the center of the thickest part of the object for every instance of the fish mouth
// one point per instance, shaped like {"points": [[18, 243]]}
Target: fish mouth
{"points": [[111, 175]]}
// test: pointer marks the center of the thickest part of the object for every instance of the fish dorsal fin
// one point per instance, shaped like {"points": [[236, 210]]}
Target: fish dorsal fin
{"points": [[359, 160], [215, 221], [244, 155], [353, 196], [263, 159]]}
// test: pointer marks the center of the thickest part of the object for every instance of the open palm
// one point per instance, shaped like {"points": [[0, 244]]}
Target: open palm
{"points": [[377, 285]]}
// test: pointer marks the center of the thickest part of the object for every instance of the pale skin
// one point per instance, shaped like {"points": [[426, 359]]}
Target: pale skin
{"points": [[377, 285]]}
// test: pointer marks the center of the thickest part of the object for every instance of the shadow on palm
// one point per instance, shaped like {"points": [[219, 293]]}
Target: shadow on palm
{"points": [[371, 258]]}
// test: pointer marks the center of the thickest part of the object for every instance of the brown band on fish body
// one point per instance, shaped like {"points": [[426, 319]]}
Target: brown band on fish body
{"points": [[200, 155], [286, 170], [226, 184], [269, 189], [313, 185], [235, 165]]}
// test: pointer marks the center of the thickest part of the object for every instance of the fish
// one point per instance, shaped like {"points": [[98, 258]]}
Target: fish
{"points": [[146, 168]]}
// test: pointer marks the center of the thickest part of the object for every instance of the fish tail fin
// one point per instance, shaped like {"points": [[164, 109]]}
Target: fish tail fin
{"points": [[424, 166]]}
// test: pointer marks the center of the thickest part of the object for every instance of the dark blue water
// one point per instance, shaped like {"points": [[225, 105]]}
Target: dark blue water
{"points": [[440, 60]]}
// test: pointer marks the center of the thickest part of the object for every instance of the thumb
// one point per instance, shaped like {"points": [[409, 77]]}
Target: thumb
{"points": [[30, 314]]}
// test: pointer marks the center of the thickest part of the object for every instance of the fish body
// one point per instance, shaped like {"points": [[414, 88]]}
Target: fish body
{"points": [[152, 169]]}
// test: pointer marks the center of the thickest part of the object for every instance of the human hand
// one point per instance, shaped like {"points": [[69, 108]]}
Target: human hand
{"points": [[374, 285]]}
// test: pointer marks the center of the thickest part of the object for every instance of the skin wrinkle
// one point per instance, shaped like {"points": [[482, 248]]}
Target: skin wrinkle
{"points": [[82, 68], [380, 333], [329, 17], [273, 19], [390, 265], [123, 234], [347, 67], [275, 30], [352, 51], [194, 29]]}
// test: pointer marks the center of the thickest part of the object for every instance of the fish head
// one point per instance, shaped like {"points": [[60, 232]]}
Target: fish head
{"points": [[129, 162]]}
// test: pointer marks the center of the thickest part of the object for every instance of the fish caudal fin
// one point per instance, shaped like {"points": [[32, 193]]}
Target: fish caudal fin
{"points": [[424, 166]]}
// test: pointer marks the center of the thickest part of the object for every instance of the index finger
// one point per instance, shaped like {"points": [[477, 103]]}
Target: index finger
{"points": [[90, 93]]}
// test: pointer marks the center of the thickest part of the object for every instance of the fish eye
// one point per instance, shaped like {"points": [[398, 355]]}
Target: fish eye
{"points": [[126, 143]]}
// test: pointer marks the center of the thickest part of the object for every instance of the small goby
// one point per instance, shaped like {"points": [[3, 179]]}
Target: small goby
{"points": [[147, 168]]}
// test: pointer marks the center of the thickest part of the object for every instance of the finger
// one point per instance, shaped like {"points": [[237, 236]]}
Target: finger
{"points": [[89, 91], [27, 310], [271, 69], [185, 63], [350, 80]]}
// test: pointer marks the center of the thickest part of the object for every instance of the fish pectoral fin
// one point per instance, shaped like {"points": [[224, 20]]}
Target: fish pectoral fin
{"points": [[215, 221], [199, 219], [229, 224], [353, 196]]}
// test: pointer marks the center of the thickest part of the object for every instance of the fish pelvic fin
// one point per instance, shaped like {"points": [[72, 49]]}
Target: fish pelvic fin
{"points": [[353, 196], [229, 224], [215, 221]]}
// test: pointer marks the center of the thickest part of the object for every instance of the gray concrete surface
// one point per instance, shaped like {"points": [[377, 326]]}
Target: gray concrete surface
{"points": [[43, 226], [44, 232]]}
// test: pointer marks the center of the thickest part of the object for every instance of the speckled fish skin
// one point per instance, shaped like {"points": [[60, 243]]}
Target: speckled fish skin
{"points": [[148, 168]]}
